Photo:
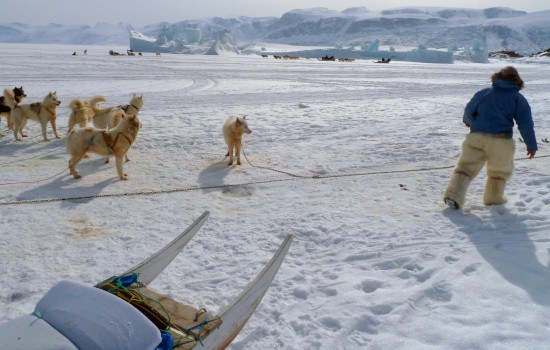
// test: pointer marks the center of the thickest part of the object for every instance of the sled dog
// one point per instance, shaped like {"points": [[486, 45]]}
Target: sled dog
{"points": [[115, 141], [109, 117], [233, 130], [18, 95], [134, 106], [43, 112], [105, 118], [81, 113]]}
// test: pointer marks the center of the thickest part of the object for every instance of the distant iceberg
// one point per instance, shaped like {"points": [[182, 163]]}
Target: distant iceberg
{"points": [[188, 42], [143, 43]]}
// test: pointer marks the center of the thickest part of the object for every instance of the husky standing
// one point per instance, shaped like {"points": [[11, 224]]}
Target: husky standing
{"points": [[109, 117], [233, 130], [43, 112], [116, 141], [18, 95], [105, 118], [81, 113]]}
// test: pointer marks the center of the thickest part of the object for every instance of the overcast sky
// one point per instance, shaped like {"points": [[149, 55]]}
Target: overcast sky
{"points": [[142, 12]]}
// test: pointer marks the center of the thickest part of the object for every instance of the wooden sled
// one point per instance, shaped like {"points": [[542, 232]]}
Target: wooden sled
{"points": [[189, 327]]}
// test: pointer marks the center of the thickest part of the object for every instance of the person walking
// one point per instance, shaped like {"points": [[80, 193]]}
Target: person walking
{"points": [[490, 115]]}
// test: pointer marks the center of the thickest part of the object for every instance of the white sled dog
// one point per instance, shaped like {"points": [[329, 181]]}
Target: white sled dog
{"points": [[115, 141], [233, 130], [43, 112]]}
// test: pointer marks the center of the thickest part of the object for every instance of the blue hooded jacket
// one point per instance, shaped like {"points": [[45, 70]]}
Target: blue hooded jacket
{"points": [[493, 110]]}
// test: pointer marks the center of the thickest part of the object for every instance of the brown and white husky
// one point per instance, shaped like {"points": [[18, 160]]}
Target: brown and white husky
{"points": [[115, 141], [43, 112]]}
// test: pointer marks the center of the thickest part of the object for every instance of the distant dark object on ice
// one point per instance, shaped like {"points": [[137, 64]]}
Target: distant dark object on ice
{"points": [[504, 54], [545, 53]]}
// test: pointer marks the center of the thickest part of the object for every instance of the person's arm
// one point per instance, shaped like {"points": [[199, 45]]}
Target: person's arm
{"points": [[526, 127]]}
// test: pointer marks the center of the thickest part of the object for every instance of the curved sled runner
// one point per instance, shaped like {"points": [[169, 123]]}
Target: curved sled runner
{"points": [[123, 313]]}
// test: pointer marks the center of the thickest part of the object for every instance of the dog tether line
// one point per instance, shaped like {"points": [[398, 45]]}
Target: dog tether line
{"points": [[210, 187], [47, 178]]}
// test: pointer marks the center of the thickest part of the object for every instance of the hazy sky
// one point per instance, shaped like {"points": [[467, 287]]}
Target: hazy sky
{"points": [[142, 12]]}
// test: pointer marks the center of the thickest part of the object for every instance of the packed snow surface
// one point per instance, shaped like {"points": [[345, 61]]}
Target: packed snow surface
{"points": [[351, 158]]}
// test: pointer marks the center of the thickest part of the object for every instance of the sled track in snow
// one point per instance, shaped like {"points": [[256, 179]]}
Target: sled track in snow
{"points": [[199, 84]]}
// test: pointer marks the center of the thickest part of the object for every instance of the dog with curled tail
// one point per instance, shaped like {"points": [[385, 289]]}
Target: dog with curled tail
{"points": [[43, 112], [81, 113], [115, 141]]}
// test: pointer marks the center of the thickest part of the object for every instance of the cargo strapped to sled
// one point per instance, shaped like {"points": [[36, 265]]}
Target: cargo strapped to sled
{"points": [[186, 323], [119, 287]]}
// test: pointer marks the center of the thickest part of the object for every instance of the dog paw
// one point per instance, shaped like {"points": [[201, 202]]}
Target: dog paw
{"points": [[77, 176], [230, 163], [125, 177]]}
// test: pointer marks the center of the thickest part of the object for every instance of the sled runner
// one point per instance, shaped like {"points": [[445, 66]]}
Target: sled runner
{"points": [[121, 312]]}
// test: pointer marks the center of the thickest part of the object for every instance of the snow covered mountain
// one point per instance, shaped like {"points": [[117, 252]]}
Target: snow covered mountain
{"points": [[101, 33], [494, 28]]}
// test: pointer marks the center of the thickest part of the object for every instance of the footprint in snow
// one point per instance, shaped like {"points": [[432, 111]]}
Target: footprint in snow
{"points": [[382, 309], [469, 270], [367, 324], [331, 323], [370, 286], [439, 293], [451, 259], [300, 294], [330, 292]]}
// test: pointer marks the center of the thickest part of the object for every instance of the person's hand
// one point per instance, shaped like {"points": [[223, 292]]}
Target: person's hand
{"points": [[531, 154]]}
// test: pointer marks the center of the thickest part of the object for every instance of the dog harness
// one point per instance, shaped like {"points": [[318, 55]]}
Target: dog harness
{"points": [[112, 144], [125, 107]]}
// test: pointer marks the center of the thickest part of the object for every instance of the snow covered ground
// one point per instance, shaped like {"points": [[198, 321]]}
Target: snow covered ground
{"points": [[378, 262]]}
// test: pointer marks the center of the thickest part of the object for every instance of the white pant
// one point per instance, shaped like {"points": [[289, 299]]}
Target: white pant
{"points": [[478, 149]]}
